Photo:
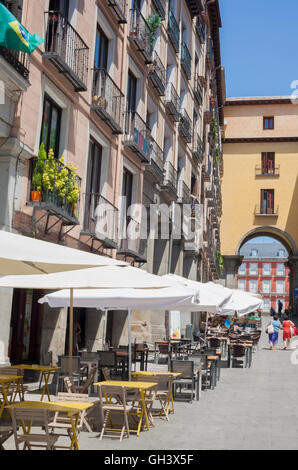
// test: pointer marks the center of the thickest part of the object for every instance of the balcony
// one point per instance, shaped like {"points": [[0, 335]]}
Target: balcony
{"points": [[172, 103], [100, 220], [66, 50], [198, 90], [185, 129], [155, 168], [201, 28], [119, 9], [183, 193], [51, 189], [197, 149], [157, 75], [160, 6], [269, 172], [20, 61], [266, 212], [140, 34], [173, 31], [207, 116], [206, 172], [132, 243], [209, 54], [169, 186], [186, 60], [137, 135], [107, 100]]}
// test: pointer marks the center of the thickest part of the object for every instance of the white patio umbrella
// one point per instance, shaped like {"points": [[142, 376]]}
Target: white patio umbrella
{"points": [[240, 301], [107, 277], [25, 255]]}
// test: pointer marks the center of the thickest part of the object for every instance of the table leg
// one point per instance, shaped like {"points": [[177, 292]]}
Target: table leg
{"points": [[45, 389], [74, 440], [143, 412]]}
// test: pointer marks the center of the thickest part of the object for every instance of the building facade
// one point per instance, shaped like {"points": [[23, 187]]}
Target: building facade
{"points": [[114, 121], [264, 270], [260, 168]]}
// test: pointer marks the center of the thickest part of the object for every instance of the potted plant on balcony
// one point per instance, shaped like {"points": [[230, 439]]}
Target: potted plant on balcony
{"points": [[220, 261], [72, 189], [37, 174], [154, 22]]}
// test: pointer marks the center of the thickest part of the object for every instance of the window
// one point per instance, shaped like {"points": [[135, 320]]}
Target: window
{"points": [[94, 168], [254, 253], [51, 125], [266, 269], [266, 286], [60, 5], [266, 305], [268, 163], [267, 201], [280, 287], [101, 50], [253, 286], [253, 268], [241, 284], [281, 254], [280, 269], [131, 92], [268, 123], [127, 182], [242, 269]]}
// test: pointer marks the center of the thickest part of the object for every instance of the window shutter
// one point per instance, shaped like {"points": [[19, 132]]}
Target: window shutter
{"points": [[262, 202], [270, 202], [264, 163]]}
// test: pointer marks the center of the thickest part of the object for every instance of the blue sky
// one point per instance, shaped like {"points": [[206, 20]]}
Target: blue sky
{"points": [[259, 46]]}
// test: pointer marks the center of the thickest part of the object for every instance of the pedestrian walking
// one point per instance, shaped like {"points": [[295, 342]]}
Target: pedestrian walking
{"points": [[288, 329], [273, 336]]}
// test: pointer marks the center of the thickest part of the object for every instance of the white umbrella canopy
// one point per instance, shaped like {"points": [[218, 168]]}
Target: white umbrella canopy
{"points": [[123, 299], [105, 277], [211, 297], [25, 255], [240, 301]]}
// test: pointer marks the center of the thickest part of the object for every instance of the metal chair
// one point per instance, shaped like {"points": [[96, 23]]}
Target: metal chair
{"points": [[238, 351], [187, 377], [46, 360], [206, 372], [108, 359], [63, 364]]}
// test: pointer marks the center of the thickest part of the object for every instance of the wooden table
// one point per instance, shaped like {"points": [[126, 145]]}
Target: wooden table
{"points": [[6, 381], [143, 387], [71, 409], [46, 372]]}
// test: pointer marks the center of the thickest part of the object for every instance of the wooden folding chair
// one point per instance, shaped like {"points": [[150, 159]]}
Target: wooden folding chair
{"points": [[14, 389], [162, 393], [84, 388], [108, 393], [63, 422], [28, 418]]}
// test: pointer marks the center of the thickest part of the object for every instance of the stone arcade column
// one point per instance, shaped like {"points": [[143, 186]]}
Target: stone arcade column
{"points": [[293, 265], [231, 265]]}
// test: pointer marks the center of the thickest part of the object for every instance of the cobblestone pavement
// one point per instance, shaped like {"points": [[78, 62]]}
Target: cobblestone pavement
{"points": [[250, 409]]}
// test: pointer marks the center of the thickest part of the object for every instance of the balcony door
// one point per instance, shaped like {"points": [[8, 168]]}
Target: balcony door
{"points": [[267, 201], [92, 197], [101, 50], [127, 185], [60, 5], [51, 126], [268, 163]]}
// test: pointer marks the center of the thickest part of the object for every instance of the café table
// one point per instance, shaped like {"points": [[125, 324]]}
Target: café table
{"points": [[46, 372], [71, 409], [138, 375], [143, 388], [6, 382]]}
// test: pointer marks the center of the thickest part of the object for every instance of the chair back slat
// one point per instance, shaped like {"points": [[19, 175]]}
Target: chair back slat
{"points": [[186, 368], [63, 363]]}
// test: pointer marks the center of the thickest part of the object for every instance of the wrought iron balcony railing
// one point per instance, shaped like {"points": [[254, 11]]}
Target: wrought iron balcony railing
{"points": [[201, 28], [170, 177], [107, 100], [156, 161], [132, 244], [101, 219], [198, 90], [186, 60], [140, 34], [119, 9], [206, 172], [157, 75], [55, 188], [65, 48], [197, 149], [160, 6], [137, 135], [183, 192], [173, 31], [267, 171], [172, 102], [209, 54], [185, 126], [266, 211]]}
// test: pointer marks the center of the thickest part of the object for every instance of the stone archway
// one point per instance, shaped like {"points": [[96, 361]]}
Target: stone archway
{"points": [[232, 262]]}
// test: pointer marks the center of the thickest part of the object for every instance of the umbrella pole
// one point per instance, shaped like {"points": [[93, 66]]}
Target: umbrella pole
{"points": [[206, 328], [129, 344], [104, 328], [70, 331]]}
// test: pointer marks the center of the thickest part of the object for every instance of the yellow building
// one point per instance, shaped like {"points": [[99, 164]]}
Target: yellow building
{"points": [[259, 187]]}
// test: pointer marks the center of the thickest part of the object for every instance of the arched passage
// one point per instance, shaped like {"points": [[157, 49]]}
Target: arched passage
{"points": [[273, 232]]}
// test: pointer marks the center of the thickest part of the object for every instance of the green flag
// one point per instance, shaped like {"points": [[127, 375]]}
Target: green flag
{"points": [[14, 36]]}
